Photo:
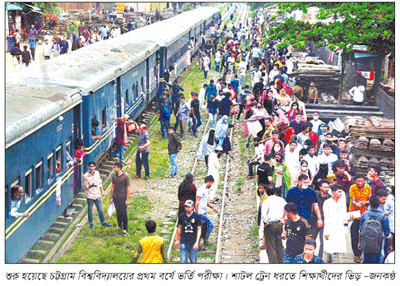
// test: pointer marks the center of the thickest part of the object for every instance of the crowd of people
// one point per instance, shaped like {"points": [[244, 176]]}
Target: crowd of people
{"points": [[309, 188]]}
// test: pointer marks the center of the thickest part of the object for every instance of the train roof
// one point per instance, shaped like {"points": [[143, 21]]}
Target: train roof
{"points": [[168, 31], [92, 67], [31, 106]]}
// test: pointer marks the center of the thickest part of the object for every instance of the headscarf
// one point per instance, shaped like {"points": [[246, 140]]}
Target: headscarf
{"points": [[210, 139], [222, 127]]}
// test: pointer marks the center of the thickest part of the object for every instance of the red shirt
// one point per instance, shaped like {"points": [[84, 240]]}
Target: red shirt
{"points": [[314, 138]]}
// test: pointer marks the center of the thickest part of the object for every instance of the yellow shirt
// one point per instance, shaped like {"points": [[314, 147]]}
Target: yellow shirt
{"points": [[151, 249]]}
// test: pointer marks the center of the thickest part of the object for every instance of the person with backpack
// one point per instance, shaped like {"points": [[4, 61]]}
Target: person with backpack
{"points": [[374, 225], [164, 112]]}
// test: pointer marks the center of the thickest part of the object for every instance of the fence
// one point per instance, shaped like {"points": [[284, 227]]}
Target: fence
{"points": [[385, 103]]}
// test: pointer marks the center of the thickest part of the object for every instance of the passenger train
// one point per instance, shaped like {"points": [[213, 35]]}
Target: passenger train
{"points": [[50, 105]]}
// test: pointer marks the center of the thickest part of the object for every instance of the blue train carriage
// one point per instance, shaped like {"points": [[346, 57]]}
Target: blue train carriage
{"points": [[115, 77], [42, 122]]}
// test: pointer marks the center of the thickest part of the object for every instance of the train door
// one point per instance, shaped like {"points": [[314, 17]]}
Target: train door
{"points": [[147, 89], [77, 133], [120, 108]]}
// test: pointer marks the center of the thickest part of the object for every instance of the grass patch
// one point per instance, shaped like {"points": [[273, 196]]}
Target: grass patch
{"points": [[102, 245]]}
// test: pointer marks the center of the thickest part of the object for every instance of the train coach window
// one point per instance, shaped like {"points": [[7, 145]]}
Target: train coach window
{"points": [[50, 166], [28, 183], [137, 90], [133, 92], [59, 159], [39, 175], [103, 118]]}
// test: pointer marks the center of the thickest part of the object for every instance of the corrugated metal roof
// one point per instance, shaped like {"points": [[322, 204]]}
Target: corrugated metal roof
{"points": [[31, 106]]}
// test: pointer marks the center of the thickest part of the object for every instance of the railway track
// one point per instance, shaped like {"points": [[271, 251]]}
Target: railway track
{"points": [[213, 253]]}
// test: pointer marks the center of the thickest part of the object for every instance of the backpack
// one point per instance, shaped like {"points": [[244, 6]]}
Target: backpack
{"points": [[166, 115], [372, 234]]}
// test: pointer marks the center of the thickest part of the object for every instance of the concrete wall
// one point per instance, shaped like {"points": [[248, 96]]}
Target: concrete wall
{"points": [[385, 103]]}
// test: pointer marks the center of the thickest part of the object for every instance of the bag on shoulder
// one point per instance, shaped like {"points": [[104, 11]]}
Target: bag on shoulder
{"points": [[372, 234], [166, 115]]}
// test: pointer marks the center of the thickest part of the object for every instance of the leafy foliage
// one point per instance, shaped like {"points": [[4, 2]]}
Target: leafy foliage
{"points": [[342, 24], [49, 7]]}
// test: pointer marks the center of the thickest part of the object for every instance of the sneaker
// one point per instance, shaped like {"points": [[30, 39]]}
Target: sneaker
{"points": [[125, 233], [146, 178], [357, 259], [107, 225], [91, 226], [247, 146]]}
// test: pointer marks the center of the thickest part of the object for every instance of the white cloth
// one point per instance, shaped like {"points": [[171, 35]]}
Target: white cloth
{"points": [[357, 92], [213, 170], [316, 124], [323, 159], [272, 209], [313, 164], [292, 159], [46, 50], [202, 192], [202, 94], [259, 151], [334, 217]]}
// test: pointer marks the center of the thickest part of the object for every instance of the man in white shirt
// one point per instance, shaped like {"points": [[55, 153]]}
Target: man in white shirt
{"points": [[258, 155], [255, 75], [327, 157], [201, 204], [312, 160], [272, 213], [17, 192], [292, 158], [46, 50], [316, 122], [273, 72], [357, 93]]}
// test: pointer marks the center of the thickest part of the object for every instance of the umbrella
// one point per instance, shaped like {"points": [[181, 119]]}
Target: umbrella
{"points": [[51, 16], [11, 7]]}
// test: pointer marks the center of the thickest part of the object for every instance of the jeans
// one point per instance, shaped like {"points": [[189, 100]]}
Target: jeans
{"points": [[183, 124], [187, 251], [120, 149], [250, 164], [355, 232], [213, 119], [205, 74], [99, 207], [196, 123], [210, 225], [174, 166], [371, 258], [357, 103], [122, 216], [217, 66], [33, 53], [287, 258], [142, 158], [241, 109], [164, 126]]}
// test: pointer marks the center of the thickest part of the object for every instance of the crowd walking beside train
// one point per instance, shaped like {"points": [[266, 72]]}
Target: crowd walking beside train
{"points": [[310, 194]]}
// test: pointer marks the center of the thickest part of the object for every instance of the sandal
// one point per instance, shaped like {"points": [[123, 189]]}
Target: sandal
{"points": [[202, 248], [170, 176], [146, 178], [261, 247], [136, 177]]}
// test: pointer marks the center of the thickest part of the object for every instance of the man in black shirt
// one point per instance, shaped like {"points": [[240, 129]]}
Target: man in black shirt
{"points": [[269, 102], [296, 231], [195, 113], [188, 233], [258, 88], [26, 56], [265, 171], [322, 196]]}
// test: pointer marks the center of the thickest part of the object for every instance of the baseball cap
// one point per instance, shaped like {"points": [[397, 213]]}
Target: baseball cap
{"points": [[189, 203]]}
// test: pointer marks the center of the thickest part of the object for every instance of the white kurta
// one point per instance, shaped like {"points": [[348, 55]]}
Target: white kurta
{"points": [[213, 170], [335, 215]]}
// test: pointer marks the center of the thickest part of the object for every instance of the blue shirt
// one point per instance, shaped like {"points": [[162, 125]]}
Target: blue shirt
{"points": [[316, 260], [374, 214], [32, 43], [212, 106], [225, 106], [235, 85], [212, 88], [303, 200], [175, 91]]}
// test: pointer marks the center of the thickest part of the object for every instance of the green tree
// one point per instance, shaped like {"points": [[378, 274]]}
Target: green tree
{"points": [[343, 25], [49, 7], [187, 7]]}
